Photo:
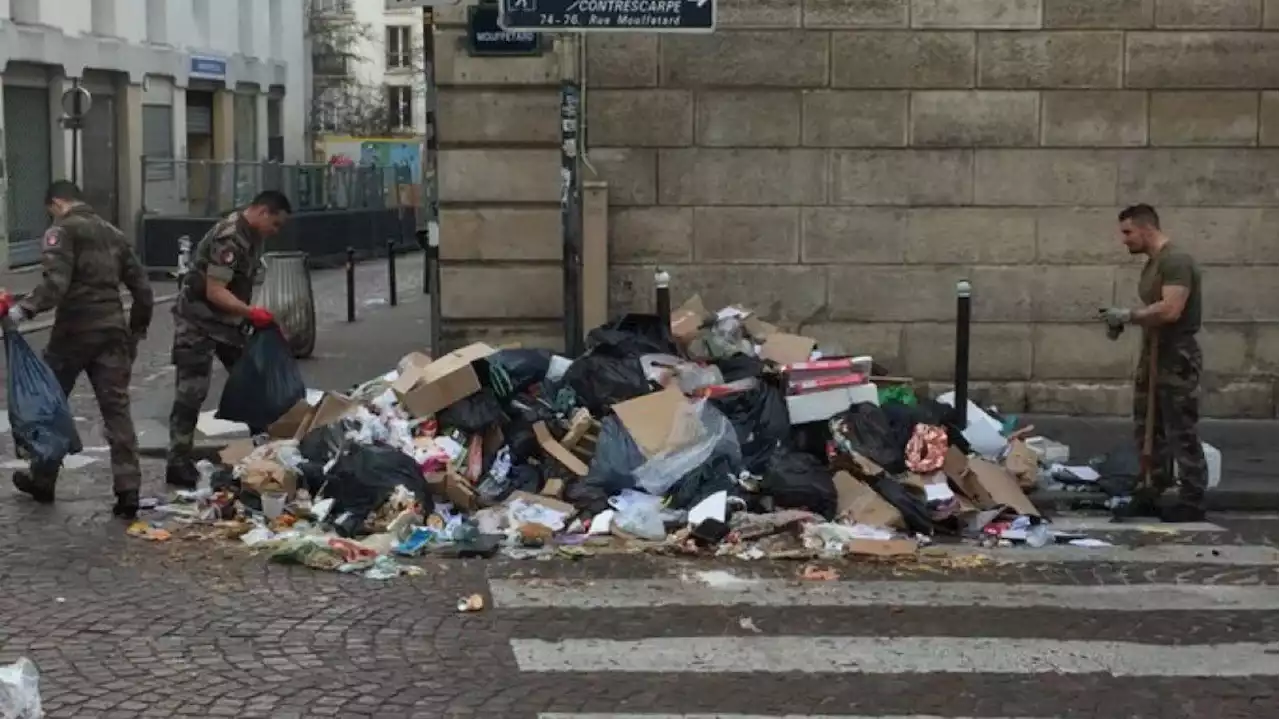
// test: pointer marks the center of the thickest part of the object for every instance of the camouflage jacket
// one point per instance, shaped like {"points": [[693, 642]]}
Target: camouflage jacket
{"points": [[85, 260], [230, 253]]}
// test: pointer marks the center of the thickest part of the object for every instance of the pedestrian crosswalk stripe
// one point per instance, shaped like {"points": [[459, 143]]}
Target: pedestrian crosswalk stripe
{"points": [[1248, 555], [757, 716], [893, 655], [640, 593]]}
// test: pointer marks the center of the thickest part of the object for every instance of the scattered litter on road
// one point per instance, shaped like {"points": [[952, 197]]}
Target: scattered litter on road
{"points": [[20, 690], [473, 603], [703, 434]]}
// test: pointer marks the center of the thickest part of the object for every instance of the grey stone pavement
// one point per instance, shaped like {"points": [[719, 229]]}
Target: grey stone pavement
{"points": [[1170, 623]]}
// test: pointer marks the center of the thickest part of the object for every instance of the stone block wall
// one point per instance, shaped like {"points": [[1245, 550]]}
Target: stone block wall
{"points": [[840, 164]]}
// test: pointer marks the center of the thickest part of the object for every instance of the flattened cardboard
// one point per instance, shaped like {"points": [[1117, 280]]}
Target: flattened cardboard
{"points": [[758, 328], [236, 450], [553, 488], [294, 423], [459, 492], [996, 487], [687, 319], [1023, 463], [264, 476], [332, 407], [882, 547], [652, 420], [413, 360], [444, 381], [857, 501], [785, 348], [557, 450]]}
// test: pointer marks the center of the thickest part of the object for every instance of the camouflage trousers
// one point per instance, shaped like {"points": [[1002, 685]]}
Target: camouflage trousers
{"points": [[107, 359], [1177, 411], [193, 353]]}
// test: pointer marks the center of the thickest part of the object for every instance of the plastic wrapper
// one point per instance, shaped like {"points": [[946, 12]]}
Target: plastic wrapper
{"points": [[20, 691], [701, 431], [264, 384], [616, 459], [44, 430]]}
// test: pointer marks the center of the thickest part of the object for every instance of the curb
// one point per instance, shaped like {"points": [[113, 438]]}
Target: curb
{"points": [[1218, 500], [198, 452], [42, 325]]}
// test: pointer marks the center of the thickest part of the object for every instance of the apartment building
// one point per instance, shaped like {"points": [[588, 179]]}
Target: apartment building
{"points": [[173, 80]]}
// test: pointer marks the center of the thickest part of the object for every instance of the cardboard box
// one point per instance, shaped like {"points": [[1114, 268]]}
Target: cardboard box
{"points": [[294, 423], [332, 407], [423, 391], [882, 547], [236, 451], [657, 421], [557, 450], [1023, 463], [857, 501], [786, 349], [817, 406], [687, 319], [988, 485], [264, 476]]}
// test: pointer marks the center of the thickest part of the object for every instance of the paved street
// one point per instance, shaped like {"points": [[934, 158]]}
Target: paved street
{"points": [[1169, 623]]}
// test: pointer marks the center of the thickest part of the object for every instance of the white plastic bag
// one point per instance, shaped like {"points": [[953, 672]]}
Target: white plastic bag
{"points": [[698, 433], [20, 691]]}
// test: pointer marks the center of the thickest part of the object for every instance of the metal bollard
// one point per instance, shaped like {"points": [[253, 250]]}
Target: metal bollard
{"points": [[662, 298], [964, 293], [391, 271], [351, 284]]}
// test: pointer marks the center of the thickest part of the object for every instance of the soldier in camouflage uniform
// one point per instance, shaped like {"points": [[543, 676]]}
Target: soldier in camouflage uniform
{"points": [[85, 261], [209, 316], [1169, 289]]}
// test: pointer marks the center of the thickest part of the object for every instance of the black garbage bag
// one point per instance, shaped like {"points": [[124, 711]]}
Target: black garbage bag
{"points": [[264, 384], [472, 414], [740, 366], [796, 480], [1119, 471], [759, 418], [605, 376], [324, 443], [716, 475], [616, 459], [635, 334], [520, 439], [914, 509], [811, 438], [44, 431], [865, 429], [524, 368], [363, 478]]}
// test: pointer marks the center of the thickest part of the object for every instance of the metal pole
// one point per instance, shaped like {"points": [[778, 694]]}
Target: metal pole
{"points": [[571, 208], [963, 296], [391, 271], [76, 121], [428, 224], [351, 284], [662, 286]]}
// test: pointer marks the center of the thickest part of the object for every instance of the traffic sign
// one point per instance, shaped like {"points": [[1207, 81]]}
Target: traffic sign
{"points": [[692, 16], [76, 102]]}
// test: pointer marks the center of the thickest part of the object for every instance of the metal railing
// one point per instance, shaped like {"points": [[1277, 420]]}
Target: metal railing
{"points": [[211, 188]]}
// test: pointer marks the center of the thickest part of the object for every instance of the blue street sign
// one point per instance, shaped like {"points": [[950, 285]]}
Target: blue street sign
{"points": [[486, 37], [609, 15], [208, 68]]}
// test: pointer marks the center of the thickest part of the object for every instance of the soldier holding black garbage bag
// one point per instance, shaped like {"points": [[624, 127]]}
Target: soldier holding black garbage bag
{"points": [[210, 316], [85, 259]]}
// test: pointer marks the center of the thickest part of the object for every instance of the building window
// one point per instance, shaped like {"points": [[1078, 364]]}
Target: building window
{"points": [[331, 7], [400, 107], [399, 44], [328, 62]]}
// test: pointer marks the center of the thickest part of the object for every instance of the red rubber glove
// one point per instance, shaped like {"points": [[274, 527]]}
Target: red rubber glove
{"points": [[6, 301], [261, 317]]}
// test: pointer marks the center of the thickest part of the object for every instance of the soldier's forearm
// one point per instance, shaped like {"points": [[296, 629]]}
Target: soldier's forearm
{"points": [[1154, 315]]}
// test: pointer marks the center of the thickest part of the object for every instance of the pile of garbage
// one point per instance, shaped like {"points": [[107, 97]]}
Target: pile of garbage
{"points": [[703, 433]]}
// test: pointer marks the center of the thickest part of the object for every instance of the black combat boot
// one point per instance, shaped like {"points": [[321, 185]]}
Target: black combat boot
{"points": [[126, 506], [41, 490], [182, 475]]}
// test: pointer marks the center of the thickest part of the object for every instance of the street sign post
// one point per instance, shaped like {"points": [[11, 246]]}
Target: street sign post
{"points": [[76, 102], [690, 16]]}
